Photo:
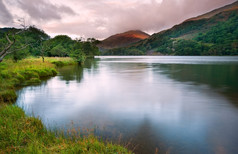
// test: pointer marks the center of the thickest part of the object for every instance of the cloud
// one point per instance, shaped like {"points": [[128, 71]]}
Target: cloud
{"points": [[42, 10], [5, 16], [102, 18]]}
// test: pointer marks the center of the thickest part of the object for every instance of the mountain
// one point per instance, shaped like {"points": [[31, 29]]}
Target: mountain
{"points": [[230, 7], [122, 39], [213, 33]]}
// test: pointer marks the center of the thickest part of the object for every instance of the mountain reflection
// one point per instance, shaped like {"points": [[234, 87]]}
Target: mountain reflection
{"points": [[222, 78]]}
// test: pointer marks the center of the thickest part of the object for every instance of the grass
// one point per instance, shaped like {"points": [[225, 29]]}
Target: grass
{"points": [[22, 134], [25, 72], [61, 61]]}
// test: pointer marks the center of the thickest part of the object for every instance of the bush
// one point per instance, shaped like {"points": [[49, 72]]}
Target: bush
{"points": [[33, 81], [28, 74], [20, 77], [58, 63], [53, 70], [4, 74], [8, 96]]}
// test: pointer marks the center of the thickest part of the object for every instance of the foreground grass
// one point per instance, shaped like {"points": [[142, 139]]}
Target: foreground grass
{"points": [[22, 134]]}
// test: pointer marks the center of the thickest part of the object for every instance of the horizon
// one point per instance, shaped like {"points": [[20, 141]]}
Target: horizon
{"points": [[67, 21]]}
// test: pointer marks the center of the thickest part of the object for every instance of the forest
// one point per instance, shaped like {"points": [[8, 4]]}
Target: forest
{"points": [[32, 41]]}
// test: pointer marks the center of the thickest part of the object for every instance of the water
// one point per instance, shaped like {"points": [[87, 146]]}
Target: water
{"points": [[173, 104]]}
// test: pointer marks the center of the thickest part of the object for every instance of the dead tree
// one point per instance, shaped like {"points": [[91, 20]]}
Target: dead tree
{"points": [[11, 40], [6, 50]]}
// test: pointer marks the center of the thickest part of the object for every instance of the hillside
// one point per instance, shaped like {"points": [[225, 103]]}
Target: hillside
{"points": [[214, 33], [122, 39], [230, 7]]}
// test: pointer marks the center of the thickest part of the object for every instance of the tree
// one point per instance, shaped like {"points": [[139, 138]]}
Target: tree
{"points": [[19, 53], [37, 38], [59, 51], [44, 47], [6, 49], [11, 40], [78, 55], [89, 48]]}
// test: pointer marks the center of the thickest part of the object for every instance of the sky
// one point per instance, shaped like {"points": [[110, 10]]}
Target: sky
{"points": [[102, 18]]}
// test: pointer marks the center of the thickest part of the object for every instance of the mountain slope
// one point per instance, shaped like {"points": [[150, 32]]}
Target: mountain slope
{"points": [[214, 33], [230, 7], [123, 39]]}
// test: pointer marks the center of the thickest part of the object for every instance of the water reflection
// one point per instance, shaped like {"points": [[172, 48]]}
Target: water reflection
{"points": [[71, 73], [222, 78], [152, 102], [75, 72]]}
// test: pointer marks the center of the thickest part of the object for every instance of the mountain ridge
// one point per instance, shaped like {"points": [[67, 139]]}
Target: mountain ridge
{"points": [[228, 7], [206, 36], [123, 39]]}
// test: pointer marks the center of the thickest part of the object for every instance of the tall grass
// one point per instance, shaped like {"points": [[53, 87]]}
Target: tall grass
{"points": [[25, 72], [59, 61], [22, 134]]}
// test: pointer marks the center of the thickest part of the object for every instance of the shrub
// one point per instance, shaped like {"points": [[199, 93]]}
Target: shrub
{"points": [[33, 81], [8, 96], [20, 77], [28, 74], [53, 70], [4, 74]]}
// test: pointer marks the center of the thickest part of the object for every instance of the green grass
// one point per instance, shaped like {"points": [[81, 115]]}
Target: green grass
{"points": [[59, 61], [22, 134], [25, 72]]}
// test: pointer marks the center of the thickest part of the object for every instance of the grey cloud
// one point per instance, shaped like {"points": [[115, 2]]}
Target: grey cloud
{"points": [[108, 17], [5, 15], [155, 16], [42, 10]]}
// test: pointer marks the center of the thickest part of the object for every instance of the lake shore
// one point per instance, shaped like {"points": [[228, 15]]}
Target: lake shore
{"points": [[21, 133]]}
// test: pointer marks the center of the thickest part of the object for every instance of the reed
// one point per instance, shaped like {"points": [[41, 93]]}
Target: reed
{"points": [[22, 134]]}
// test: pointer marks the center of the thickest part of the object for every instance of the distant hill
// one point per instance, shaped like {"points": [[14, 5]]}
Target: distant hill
{"points": [[214, 33], [32, 32], [122, 39]]}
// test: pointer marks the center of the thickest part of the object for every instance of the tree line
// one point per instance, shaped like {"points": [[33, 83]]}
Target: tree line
{"points": [[31, 41]]}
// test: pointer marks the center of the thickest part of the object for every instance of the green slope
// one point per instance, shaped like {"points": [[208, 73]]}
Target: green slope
{"points": [[215, 35]]}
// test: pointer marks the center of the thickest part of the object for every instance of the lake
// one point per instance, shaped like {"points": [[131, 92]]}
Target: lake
{"points": [[172, 104]]}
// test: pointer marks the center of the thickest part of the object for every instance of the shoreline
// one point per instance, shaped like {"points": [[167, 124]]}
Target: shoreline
{"points": [[22, 133]]}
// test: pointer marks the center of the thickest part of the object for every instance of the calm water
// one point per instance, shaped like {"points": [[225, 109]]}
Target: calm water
{"points": [[175, 104]]}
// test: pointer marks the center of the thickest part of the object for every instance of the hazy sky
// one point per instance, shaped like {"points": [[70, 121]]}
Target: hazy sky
{"points": [[102, 18]]}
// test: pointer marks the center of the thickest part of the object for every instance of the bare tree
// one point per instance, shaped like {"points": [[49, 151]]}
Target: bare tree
{"points": [[10, 37], [6, 51], [43, 48]]}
